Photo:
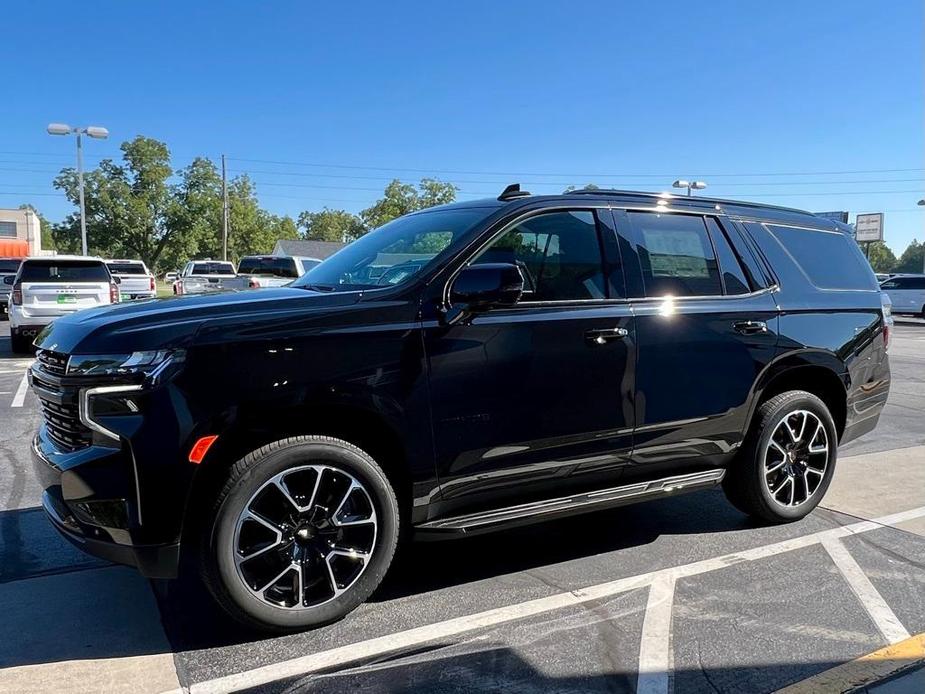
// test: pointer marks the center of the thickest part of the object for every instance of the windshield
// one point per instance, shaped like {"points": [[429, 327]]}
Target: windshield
{"points": [[268, 265], [393, 253], [213, 269], [63, 271], [127, 268]]}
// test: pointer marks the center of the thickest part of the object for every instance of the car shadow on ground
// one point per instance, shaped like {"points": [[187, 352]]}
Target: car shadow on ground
{"points": [[193, 622]]}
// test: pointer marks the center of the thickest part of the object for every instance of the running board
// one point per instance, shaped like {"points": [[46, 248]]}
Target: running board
{"points": [[579, 503]]}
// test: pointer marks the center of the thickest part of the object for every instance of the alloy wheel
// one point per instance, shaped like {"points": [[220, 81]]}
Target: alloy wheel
{"points": [[796, 458], [305, 537]]}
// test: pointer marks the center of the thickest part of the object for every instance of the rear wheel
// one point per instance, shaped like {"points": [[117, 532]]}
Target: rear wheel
{"points": [[20, 344], [787, 461], [303, 532]]}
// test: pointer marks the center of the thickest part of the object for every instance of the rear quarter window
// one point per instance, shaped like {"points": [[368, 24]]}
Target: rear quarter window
{"points": [[63, 271], [830, 259]]}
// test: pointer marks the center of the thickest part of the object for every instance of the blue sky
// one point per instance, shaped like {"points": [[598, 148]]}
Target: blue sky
{"points": [[323, 103]]}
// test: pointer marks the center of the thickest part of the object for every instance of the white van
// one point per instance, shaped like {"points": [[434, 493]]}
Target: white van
{"points": [[46, 288], [907, 292]]}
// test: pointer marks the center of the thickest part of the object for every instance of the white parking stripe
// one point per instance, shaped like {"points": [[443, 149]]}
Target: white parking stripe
{"points": [[20, 396], [655, 645], [391, 643], [886, 620]]}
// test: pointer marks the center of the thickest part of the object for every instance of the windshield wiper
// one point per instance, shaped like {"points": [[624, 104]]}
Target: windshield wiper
{"points": [[319, 287]]}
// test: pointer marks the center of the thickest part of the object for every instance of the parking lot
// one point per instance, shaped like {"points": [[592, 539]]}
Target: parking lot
{"points": [[682, 594]]}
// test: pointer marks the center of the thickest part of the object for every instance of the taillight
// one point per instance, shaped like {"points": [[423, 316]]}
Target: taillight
{"points": [[16, 297], [152, 283], [253, 284], [113, 293], [887, 307], [887, 334]]}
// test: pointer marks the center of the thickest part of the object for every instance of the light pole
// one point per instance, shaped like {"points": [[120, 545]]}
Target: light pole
{"points": [[922, 203], [97, 133], [690, 185]]}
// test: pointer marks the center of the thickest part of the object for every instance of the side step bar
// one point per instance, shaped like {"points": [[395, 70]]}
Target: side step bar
{"points": [[579, 503]]}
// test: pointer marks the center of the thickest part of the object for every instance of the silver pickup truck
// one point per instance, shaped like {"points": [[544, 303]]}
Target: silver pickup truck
{"points": [[254, 272], [202, 276], [135, 280], [8, 267]]}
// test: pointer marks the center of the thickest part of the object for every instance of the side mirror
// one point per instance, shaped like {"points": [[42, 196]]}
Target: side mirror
{"points": [[9, 279], [491, 285]]}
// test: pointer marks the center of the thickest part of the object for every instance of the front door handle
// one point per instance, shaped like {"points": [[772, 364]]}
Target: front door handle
{"points": [[750, 327], [605, 335]]}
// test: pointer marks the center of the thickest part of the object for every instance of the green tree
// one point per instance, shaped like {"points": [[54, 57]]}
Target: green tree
{"points": [[881, 257], [330, 225], [126, 204], [911, 259], [401, 198]]}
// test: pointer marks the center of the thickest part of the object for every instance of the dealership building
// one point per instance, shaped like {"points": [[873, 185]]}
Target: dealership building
{"points": [[20, 234]]}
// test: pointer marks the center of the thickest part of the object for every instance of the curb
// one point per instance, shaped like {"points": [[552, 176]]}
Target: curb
{"points": [[866, 670]]}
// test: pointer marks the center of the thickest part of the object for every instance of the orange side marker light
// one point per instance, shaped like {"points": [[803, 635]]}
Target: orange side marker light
{"points": [[200, 448]]}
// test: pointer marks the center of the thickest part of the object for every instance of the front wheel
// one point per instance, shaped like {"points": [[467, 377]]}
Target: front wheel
{"points": [[303, 532], [788, 459]]}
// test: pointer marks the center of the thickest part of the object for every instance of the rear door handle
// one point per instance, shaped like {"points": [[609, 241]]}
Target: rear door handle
{"points": [[605, 335], [750, 327]]}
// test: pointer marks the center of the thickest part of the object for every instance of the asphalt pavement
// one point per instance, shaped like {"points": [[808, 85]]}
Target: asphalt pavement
{"points": [[683, 594]]}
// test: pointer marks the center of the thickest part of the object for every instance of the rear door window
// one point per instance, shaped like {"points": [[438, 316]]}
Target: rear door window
{"points": [[63, 271], [676, 255], [830, 259]]}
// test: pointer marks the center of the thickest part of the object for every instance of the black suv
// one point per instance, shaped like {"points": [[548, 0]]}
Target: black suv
{"points": [[461, 369]]}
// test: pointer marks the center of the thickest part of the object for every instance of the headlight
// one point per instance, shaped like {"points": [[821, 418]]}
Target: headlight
{"points": [[120, 364]]}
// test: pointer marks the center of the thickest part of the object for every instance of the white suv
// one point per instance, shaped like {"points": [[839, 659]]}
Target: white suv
{"points": [[907, 292], [46, 288]]}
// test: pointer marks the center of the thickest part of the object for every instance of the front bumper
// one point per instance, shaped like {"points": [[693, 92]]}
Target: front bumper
{"points": [[88, 499]]}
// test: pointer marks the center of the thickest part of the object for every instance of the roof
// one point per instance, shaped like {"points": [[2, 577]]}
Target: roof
{"points": [[303, 247], [64, 257]]}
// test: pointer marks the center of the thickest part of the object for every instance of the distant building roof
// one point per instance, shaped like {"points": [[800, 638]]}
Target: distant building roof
{"points": [[310, 249]]}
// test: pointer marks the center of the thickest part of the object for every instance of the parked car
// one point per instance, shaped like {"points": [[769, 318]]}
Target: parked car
{"points": [[8, 268], [201, 276], [551, 355], [171, 277], [45, 289], [261, 271], [907, 292], [135, 280]]}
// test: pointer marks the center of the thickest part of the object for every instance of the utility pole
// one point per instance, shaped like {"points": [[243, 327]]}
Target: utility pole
{"points": [[224, 212]]}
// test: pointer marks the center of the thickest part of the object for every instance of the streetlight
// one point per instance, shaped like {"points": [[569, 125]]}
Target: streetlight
{"points": [[96, 133], [922, 202], [690, 185]]}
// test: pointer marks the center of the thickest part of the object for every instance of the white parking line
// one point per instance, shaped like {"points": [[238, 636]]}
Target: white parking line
{"points": [[883, 617], [20, 396], [655, 644], [392, 643]]}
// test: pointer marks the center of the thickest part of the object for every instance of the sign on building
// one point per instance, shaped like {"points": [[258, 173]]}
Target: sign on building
{"points": [[868, 227], [834, 216]]}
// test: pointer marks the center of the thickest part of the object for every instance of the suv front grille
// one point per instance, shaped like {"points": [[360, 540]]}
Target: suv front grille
{"points": [[52, 362], [59, 403]]}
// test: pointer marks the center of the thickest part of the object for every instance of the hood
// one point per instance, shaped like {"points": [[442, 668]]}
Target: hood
{"points": [[173, 322]]}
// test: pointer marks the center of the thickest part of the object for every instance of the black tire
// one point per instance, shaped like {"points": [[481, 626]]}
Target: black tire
{"points": [[744, 483], [20, 344], [245, 478]]}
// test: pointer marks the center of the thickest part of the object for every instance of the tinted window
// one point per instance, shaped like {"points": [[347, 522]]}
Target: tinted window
{"points": [[676, 255], [734, 281], [126, 268], [63, 271], [559, 255], [277, 267], [395, 251], [904, 283], [830, 259], [9, 266], [213, 269]]}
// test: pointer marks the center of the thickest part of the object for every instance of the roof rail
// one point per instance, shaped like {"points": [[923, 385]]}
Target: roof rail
{"points": [[688, 199], [512, 192]]}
